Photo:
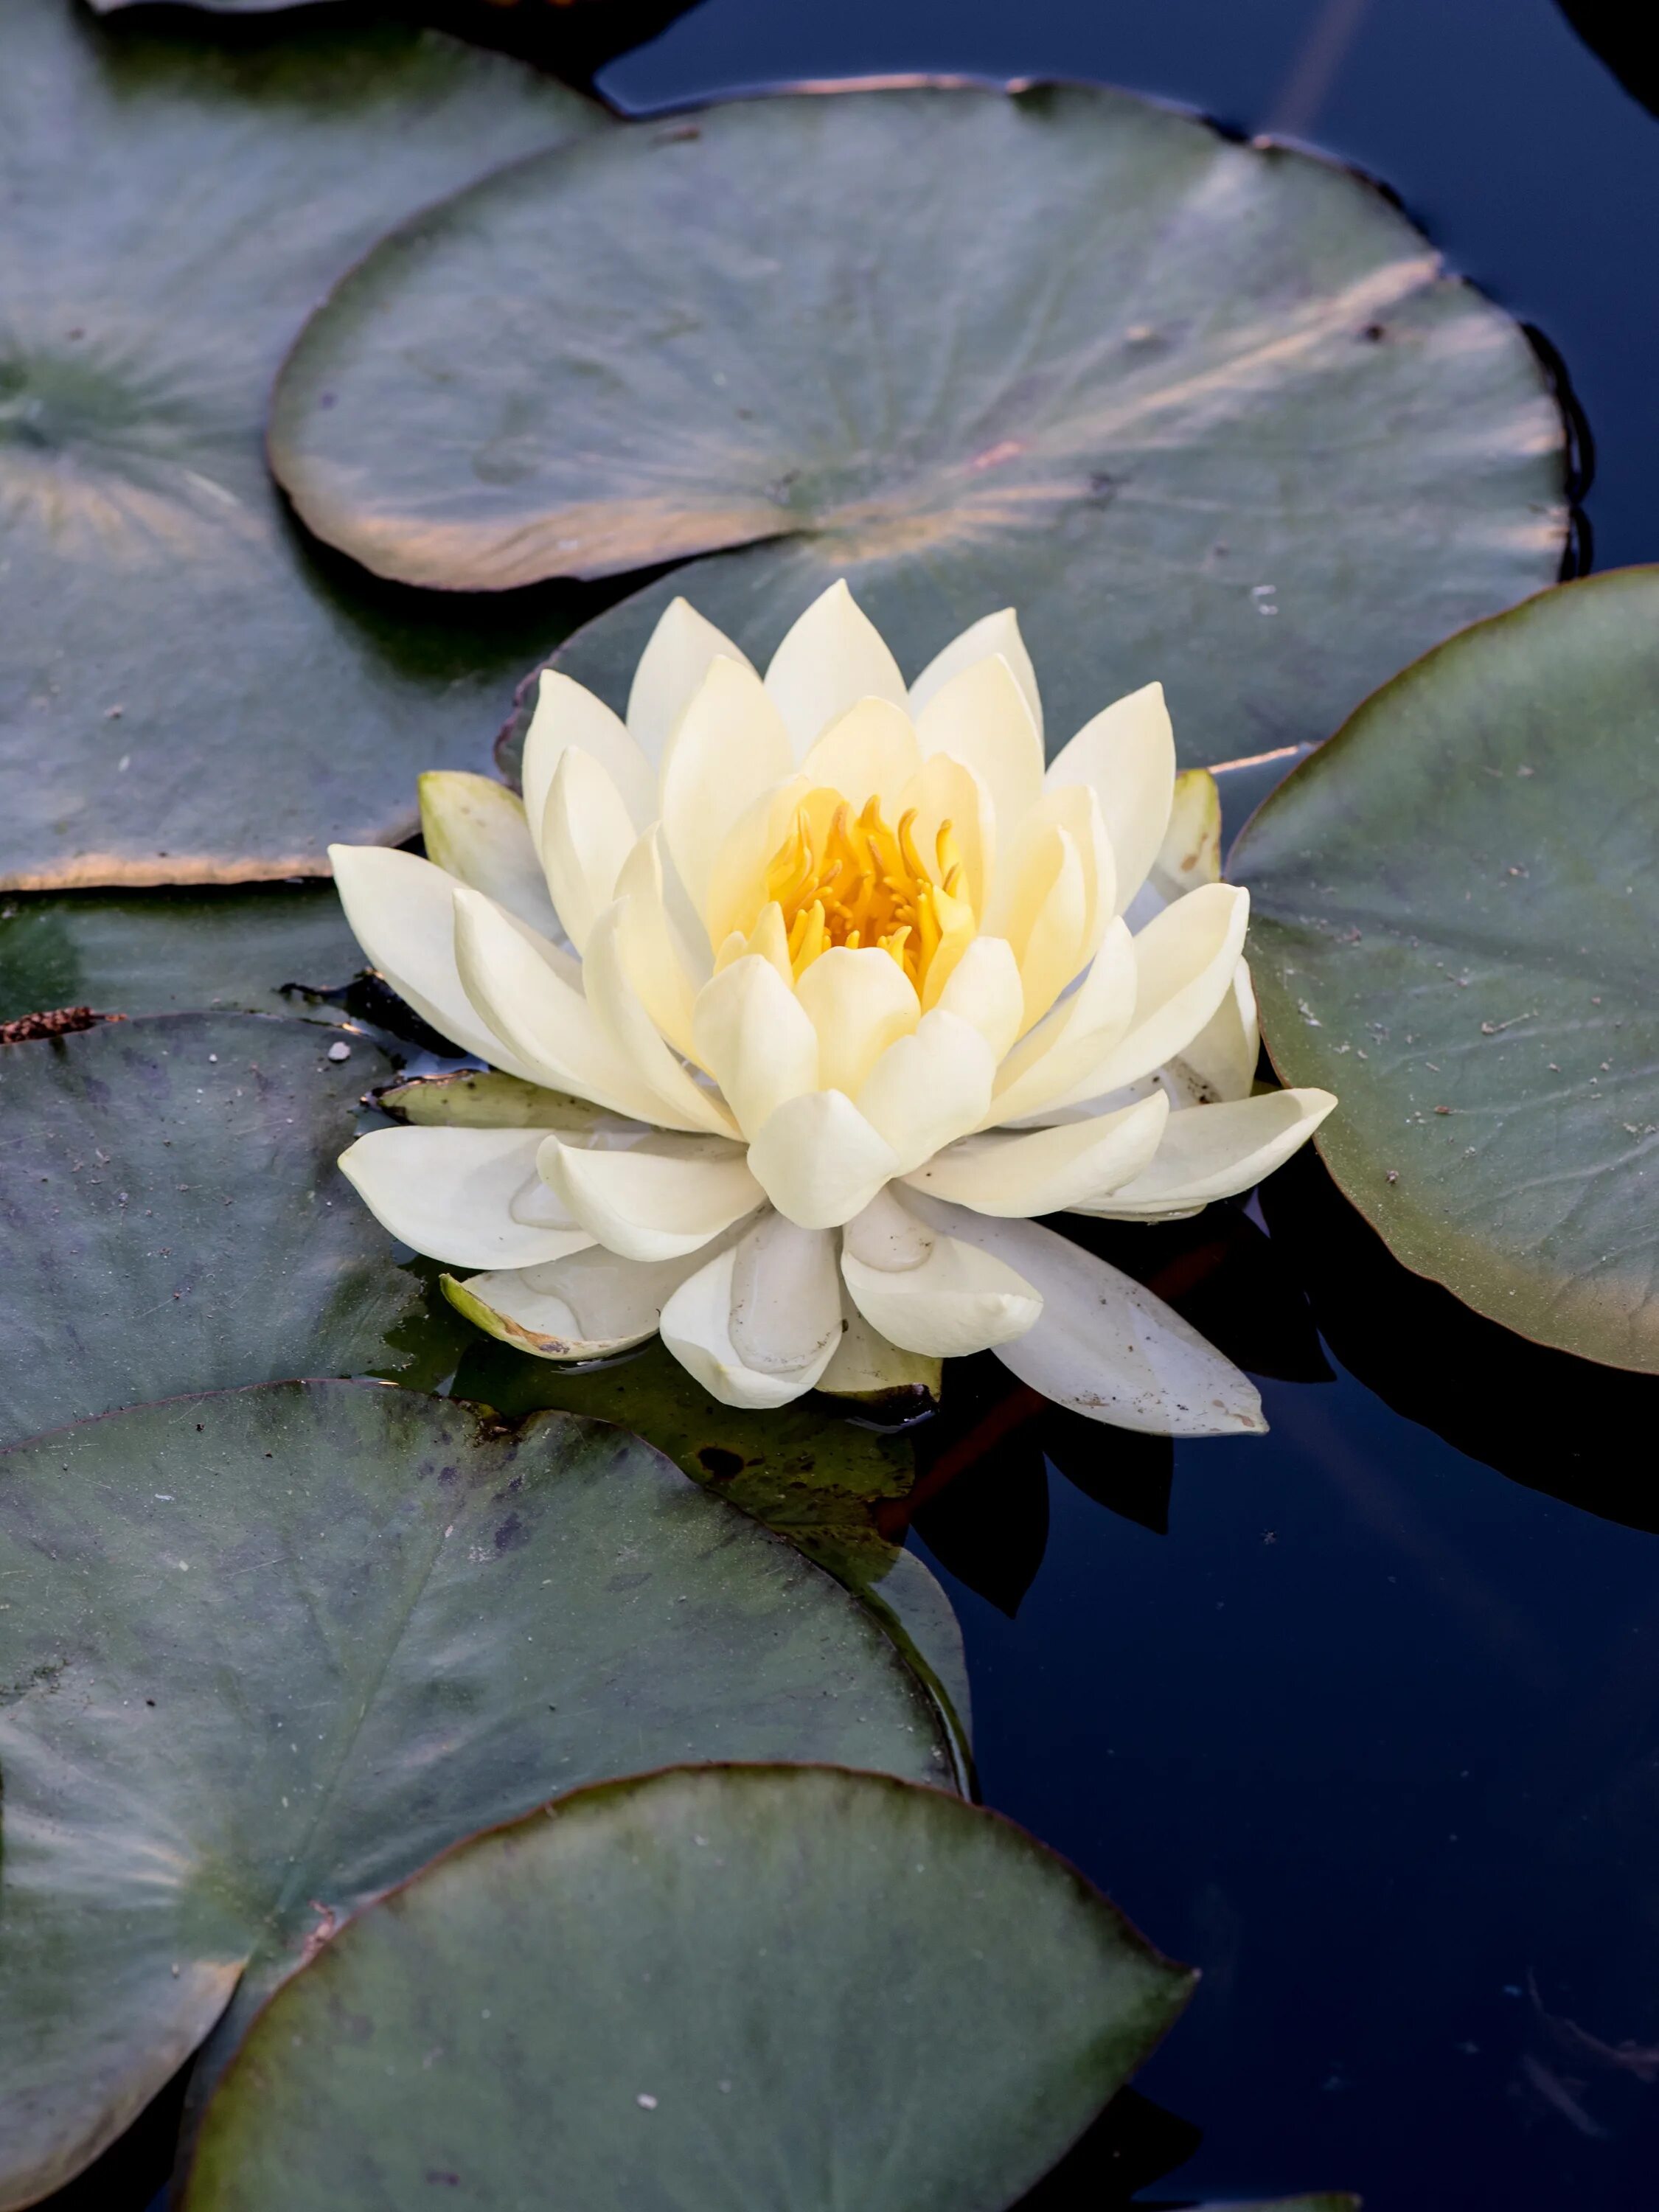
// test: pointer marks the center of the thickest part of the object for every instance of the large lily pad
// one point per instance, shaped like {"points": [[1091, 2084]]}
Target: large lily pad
{"points": [[1205, 411], [720, 1988], [163, 952], [268, 1651], [1455, 916], [173, 1219], [188, 692]]}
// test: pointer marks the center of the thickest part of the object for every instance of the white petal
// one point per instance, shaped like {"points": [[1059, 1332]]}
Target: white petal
{"points": [[1104, 1346], [867, 1368], [653, 1200], [859, 1001], [928, 1088], [730, 746], [992, 633], [982, 718], [566, 713], [1216, 1152], [1220, 1063], [756, 1039], [401, 909], [870, 751], [1191, 852], [832, 657], [737, 889], [819, 1161], [952, 1300], [984, 990], [476, 831], [786, 1298], [546, 1028], [1126, 754], [586, 835], [620, 942], [450, 1193], [659, 963], [945, 791], [1051, 945], [586, 1306], [1045, 1170], [1027, 867], [1055, 1055], [671, 671], [696, 1328], [1186, 959]]}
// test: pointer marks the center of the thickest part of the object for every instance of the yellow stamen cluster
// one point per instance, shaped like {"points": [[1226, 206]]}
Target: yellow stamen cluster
{"points": [[841, 879]]}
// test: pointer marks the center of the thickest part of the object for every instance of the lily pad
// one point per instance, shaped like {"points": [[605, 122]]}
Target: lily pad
{"points": [[163, 952], [269, 1651], [188, 693], [1204, 411], [715, 1988], [836, 1489], [173, 1219], [1454, 916]]}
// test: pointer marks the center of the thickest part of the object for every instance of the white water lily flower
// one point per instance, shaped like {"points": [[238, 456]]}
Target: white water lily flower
{"points": [[853, 989]]}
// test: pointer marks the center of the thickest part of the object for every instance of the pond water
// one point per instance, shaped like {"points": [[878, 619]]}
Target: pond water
{"points": [[1362, 1718], [1372, 1733]]}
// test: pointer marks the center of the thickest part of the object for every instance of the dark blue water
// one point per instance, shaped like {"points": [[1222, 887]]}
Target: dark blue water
{"points": [[1372, 1733]]}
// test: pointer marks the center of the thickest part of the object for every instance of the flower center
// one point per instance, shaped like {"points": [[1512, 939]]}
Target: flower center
{"points": [[854, 880]]}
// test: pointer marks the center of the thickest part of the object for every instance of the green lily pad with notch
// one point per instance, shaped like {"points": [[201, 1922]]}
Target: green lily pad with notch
{"points": [[267, 1652], [188, 691], [1203, 411], [712, 1989], [1454, 917], [832, 1486], [163, 952], [173, 1219]]}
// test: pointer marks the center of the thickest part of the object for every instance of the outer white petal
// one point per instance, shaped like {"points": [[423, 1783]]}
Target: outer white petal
{"points": [[586, 835], [730, 746], [1216, 1152], [1191, 852], [870, 751], [756, 1039], [1051, 1058], [654, 1200], [982, 719], [819, 1161], [697, 1328], [1046, 1170], [1220, 1063], [1104, 1346], [991, 634], [586, 1307], [661, 965], [476, 831], [621, 941], [401, 909], [668, 673], [1127, 753], [1186, 959], [546, 1028], [566, 713], [984, 990], [786, 1298], [943, 1297], [451, 1193], [859, 1001], [867, 1367], [929, 1088], [832, 658]]}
